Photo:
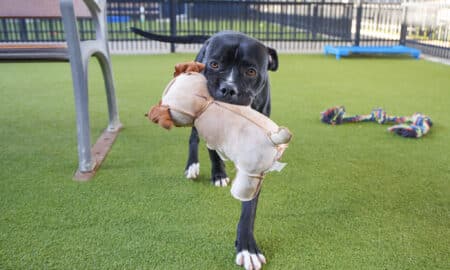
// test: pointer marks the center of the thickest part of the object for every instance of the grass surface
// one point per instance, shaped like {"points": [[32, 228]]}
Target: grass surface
{"points": [[351, 197]]}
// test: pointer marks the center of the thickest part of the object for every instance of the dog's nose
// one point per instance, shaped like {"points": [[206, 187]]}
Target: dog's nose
{"points": [[228, 91]]}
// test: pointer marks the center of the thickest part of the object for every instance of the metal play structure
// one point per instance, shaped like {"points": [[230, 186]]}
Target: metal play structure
{"points": [[78, 52]]}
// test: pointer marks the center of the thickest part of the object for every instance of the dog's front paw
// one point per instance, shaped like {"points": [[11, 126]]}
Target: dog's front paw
{"points": [[192, 171], [250, 261], [248, 254], [220, 180]]}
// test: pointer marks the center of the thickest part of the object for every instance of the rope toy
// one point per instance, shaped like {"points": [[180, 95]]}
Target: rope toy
{"points": [[414, 126]]}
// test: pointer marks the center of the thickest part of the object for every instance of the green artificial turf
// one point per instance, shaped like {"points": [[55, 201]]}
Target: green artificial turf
{"points": [[351, 197]]}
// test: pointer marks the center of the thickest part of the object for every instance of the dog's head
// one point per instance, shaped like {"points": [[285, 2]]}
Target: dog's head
{"points": [[236, 66]]}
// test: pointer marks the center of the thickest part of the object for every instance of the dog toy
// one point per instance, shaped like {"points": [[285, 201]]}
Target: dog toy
{"points": [[248, 138], [414, 126]]}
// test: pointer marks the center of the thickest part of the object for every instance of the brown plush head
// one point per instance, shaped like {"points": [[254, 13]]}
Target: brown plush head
{"points": [[188, 67], [183, 98], [159, 114]]}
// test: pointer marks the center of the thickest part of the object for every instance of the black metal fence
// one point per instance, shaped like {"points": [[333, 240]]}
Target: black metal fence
{"points": [[280, 22], [285, 25]]}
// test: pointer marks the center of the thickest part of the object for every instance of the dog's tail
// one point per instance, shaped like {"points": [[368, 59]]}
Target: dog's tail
{"points": [[190, 39]]}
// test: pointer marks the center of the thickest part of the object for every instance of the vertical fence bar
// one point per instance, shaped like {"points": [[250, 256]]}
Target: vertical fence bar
{"points": [[315, 22], [173, 22], [359, 10], [36, 30], [23, 29], [4, 27], [404, 27]]}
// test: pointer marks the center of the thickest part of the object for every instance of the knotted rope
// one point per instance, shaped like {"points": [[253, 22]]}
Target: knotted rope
{"points": [[414, 126]]}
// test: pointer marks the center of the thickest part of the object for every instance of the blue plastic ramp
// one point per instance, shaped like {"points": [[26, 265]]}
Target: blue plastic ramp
{"points": [[347, 50]]}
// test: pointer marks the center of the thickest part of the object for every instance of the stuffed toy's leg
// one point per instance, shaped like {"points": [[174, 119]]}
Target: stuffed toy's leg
{"points": [[245, 186], [281, 137]]}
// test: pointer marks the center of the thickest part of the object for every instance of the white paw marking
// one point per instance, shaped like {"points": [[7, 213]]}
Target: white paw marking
{"points": [[222, 182], [250, 261], [193, 171]]}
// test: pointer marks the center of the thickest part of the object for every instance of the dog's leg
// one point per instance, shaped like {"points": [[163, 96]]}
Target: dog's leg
{"points": [[219, 177], [193, 166], [248, 254]]}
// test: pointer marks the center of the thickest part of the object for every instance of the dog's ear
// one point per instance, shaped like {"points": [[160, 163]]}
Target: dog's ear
{"points": [[201, 54], [273, 59]]}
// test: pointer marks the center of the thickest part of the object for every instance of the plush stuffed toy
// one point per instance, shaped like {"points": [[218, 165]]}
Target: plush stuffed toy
{"points": [[248, 138]]}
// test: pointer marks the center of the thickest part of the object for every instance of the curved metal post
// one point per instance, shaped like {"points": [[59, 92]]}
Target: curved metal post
{"points": [[80, 53], [79, 79]]}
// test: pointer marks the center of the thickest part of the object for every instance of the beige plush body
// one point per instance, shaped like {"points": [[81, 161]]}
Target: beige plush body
{"points": [[238, 133]]}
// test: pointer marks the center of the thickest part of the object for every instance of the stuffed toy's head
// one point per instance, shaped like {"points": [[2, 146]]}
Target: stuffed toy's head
{"points": [[184, 98]]}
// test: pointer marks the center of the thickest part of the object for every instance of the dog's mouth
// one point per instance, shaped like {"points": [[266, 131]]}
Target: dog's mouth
{"points": [[233, 97]]}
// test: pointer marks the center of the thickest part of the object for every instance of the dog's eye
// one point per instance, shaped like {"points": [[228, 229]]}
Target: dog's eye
{"points": [[214, 65], [251, 72]]}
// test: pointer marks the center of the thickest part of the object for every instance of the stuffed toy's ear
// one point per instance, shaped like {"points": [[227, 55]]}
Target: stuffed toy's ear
{"points": [[188, 67], [159, 114]]}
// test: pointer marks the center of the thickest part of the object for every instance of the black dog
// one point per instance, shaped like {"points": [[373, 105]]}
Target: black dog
{"points": [[236, 69]]}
